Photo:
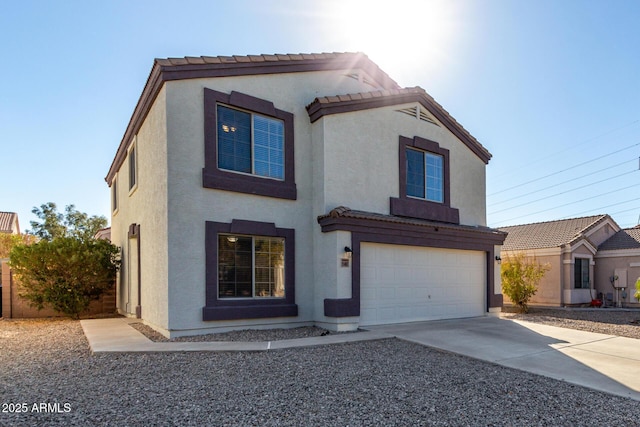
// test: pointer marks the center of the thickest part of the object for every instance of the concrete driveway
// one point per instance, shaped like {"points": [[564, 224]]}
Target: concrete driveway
{"points": [[601, 362]]}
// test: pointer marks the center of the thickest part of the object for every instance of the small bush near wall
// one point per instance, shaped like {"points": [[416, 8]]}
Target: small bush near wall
{"points": [[520, 278]]}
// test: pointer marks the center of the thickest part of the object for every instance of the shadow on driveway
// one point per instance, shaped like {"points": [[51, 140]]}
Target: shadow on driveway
{"points": [[601, 362]]}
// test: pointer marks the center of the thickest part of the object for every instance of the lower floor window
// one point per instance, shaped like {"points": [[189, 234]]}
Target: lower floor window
{"points": [[250, 267], [581, 273]]}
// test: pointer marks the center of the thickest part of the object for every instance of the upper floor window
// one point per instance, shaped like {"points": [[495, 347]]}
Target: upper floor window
{"points": [[132, 168], [114, 195], [249, 146], [425, 189], [250, 143], [425, 175]]}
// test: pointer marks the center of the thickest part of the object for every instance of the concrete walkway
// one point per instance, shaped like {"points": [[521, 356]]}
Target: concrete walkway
{"points": [[601, 362], [114, 335]]}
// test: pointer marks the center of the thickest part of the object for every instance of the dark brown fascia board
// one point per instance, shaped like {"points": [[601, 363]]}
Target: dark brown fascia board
{"points": [[163, 71], [440, 235], [147, 98], [317, 110]]}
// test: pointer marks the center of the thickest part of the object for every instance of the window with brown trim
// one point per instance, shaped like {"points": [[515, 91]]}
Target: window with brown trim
{"points": [[424, 184], [250, 271], [249, 146]]}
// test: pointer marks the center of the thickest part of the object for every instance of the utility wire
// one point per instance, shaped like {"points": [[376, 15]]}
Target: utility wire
{"points": [[564, 170], [576, 145], [561, 193], [634, 160], [603, 207], [577, 201]]}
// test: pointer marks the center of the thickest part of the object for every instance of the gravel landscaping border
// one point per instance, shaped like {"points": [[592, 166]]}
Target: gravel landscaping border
{"points": [[610, 321], [48, 370], [247, 335]]}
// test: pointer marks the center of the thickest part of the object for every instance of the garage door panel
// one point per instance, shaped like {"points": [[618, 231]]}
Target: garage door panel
{"points": [[405, 284]]}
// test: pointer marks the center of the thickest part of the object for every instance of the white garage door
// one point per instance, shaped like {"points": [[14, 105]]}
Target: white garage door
{"points": [[408, 283]]}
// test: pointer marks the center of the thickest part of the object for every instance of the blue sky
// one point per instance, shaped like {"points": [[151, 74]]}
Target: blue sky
{"points": [[551, 88]]}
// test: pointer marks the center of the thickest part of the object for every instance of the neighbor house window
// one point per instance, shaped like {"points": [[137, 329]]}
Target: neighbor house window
{"points": [[248, 146], [250, 267], [425, 175], [250, 143], [581, 273], [132, 168]]}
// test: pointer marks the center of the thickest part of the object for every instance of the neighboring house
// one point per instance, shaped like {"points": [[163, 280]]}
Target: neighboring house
{"points": [[582, 253], [104, 233], [9, 223], [618, 266], [230, 185]]}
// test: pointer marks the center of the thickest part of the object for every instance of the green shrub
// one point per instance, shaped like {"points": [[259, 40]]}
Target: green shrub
{"points": [[65, 273], [637, 294], [520, 278]]}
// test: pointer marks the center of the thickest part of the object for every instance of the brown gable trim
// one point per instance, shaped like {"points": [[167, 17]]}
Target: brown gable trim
{"points": [[321, 107], [164, 70]]}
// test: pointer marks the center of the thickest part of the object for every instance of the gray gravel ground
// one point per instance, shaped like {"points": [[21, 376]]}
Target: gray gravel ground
{"points": [[623, 323], [375, 383]]}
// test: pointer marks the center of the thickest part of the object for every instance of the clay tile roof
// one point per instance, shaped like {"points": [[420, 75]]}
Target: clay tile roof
{"points": [[549, 234], [345, 212], [628, 238], [168, 69], [7, 220]]}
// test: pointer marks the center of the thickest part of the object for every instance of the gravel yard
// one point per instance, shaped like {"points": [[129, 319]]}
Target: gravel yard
{"points": [[623, 323], [377, 383]]}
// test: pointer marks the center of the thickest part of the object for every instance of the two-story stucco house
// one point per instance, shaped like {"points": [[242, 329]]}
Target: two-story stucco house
{"points": [[288, 190]]}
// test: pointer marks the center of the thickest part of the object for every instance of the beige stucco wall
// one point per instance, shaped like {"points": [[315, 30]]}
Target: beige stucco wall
{"points": [[549, 288], [361, 162], [607, 262], [190, 205], [346, 159], [147, 206]]}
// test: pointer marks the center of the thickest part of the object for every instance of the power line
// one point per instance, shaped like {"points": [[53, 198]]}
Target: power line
{"points": [[577, 145], [577, 201], [564, 182], [563, 192], [564, 170], [604, 207]]}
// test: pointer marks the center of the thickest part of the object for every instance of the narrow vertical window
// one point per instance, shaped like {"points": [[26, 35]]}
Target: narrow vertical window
{"points": [[132, 168], [114, 196], [415, 173], [581, 273]]}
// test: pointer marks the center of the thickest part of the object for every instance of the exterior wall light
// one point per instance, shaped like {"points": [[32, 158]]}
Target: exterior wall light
{"points": [[347, 252], [498, 259]]}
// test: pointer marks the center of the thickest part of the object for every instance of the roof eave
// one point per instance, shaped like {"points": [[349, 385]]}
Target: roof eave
{"points": [[172, 69]]}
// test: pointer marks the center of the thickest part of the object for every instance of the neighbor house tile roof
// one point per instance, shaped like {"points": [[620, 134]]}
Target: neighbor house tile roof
{"points": [[549, 234], [326, 105], [7, 219], [169, 69], [628, 238]]}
